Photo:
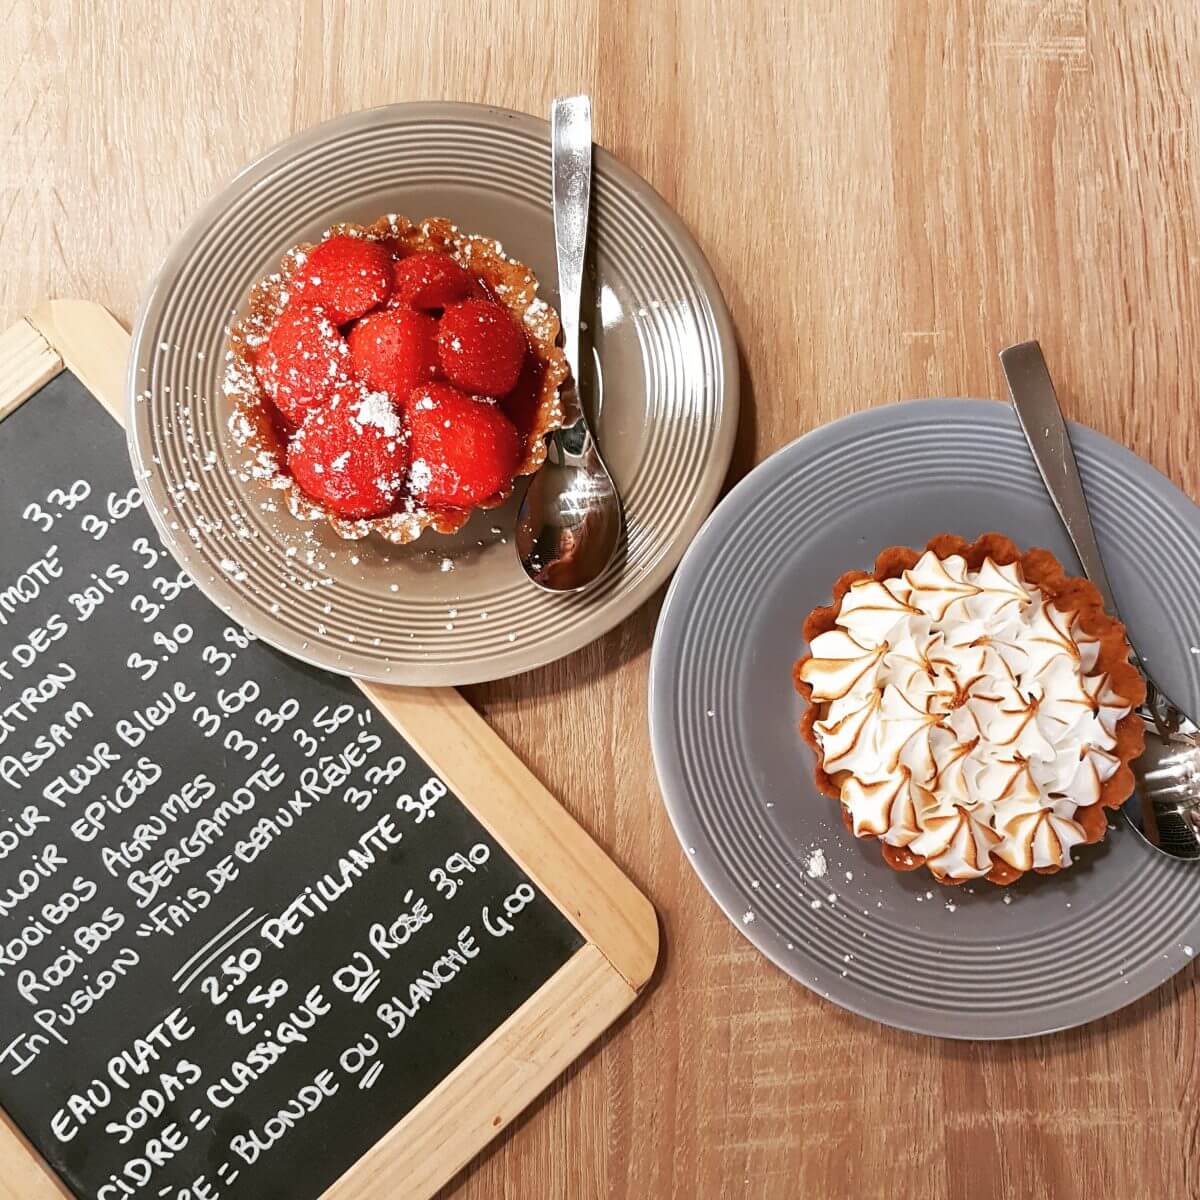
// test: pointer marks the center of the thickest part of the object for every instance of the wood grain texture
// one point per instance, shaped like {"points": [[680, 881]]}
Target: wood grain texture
{"points": [[92, 345], [29, 362], [24, 1175], [888, 191]]}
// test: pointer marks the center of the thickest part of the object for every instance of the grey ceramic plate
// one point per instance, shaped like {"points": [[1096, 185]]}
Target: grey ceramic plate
{"points": [[446, 610], [969, 962]]}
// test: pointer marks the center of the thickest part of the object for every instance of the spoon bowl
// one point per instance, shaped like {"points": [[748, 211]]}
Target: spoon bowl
{"points": [[1165, 807], [570, 522]]}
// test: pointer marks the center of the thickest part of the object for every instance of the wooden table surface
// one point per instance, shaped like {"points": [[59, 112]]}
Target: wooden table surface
{"points": [[888, 191]]}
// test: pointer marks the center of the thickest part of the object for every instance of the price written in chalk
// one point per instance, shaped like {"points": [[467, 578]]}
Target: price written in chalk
{"points": [[60, 503]]}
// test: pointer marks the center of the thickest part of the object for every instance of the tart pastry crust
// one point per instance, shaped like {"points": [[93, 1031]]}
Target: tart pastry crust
{"points": [[1083, 607]]}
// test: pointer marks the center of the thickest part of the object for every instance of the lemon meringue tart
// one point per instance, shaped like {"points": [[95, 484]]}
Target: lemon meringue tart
{"points": [[972, 708]]}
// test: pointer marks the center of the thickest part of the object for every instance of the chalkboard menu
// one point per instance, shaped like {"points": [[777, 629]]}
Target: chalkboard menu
{"points": [[244, 927]]}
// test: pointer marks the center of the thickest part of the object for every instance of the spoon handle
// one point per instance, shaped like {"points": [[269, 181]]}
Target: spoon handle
{"points": [[571, 143], [1041, 418]]}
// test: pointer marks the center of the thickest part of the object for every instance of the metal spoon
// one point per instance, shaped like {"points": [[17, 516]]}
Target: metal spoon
{"points": [[569, 522], [1165, 809]]}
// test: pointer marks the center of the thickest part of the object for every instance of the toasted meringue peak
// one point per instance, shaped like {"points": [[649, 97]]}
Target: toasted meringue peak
{"points": [[963, 716], [1006, 780], [905, 726], [1107, 704], [848, 735], [1001, 591], [1048, 637], [1039, 839], [885, 809], [869, 612], [957, 767], [840, 665], [955, 844], [1089, 648], [935, 586]]}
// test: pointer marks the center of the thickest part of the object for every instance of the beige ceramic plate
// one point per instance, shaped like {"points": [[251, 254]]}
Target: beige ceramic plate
{"points": [[445, 610]]}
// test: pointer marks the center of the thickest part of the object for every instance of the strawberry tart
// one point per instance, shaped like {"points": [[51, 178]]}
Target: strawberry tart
{"points": [[972, 708], [394, 377]]}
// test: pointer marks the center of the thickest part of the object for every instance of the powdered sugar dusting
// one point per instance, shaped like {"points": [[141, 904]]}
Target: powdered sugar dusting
{"points": [[420, 476], [377, 410]]}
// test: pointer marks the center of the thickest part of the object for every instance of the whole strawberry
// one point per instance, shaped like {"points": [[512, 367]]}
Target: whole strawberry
{"points": [[521, 406], [348, 276], [463, 451], [429, 280], [480, 347], [353, 454], [303, 361], [394, 350]]}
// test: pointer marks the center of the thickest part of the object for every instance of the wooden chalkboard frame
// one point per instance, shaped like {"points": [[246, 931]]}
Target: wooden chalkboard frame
{"points": [[551, 1029]]}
